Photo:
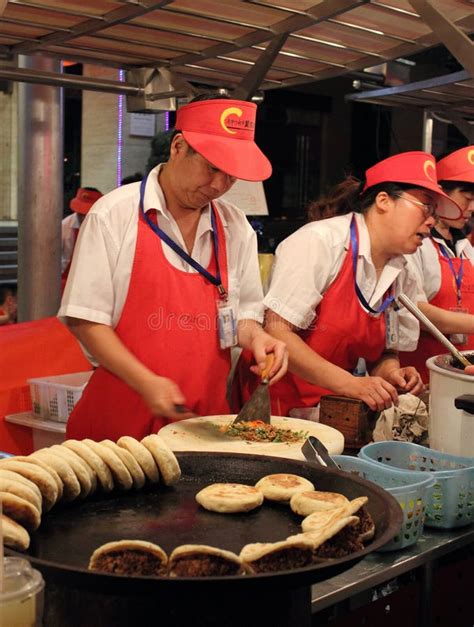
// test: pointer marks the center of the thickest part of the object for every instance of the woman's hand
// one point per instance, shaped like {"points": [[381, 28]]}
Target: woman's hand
{"points": [[376, 392], [406, 380]]}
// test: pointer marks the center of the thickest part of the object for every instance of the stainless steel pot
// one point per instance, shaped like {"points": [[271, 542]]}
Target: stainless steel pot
{"points": [[451, 427]]}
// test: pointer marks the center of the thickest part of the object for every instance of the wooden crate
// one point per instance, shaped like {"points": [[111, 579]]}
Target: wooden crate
{"points": [[352, 417]]}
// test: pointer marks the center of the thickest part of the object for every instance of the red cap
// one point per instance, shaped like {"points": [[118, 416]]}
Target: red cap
{"points": [[84, 199], [416, 168], [458, 166], [222, 131]]}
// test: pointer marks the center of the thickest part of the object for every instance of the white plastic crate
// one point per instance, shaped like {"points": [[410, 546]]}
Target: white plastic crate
{"points": [[53, 398]]}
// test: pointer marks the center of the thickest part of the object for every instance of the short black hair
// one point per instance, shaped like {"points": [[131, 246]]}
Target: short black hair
{"points": [[463, 186]]}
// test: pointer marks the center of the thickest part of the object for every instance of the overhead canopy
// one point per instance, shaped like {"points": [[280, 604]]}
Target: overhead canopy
{"points": [[217, 42]]}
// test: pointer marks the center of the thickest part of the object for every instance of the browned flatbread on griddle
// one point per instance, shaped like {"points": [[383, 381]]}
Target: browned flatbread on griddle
{"points": [[229, 498], [265, 557], [71, 486], [84, 473], [282, 486], [133, 467], [142, 455], [201, 560], [37, 475], [305, 503], [24, 491], [122, 478], [38, 462], [100, 468], [130, 557], [20, 510], [14, 535], [164, 457]]}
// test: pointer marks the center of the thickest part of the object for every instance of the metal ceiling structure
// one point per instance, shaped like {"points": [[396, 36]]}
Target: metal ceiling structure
{"points": [[240, 45]]}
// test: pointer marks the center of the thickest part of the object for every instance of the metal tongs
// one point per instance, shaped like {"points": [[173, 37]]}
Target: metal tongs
{"points": [[315, 451]]}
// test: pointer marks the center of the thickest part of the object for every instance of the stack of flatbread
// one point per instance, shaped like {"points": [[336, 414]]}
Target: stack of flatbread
{"points": [[30, 485]]}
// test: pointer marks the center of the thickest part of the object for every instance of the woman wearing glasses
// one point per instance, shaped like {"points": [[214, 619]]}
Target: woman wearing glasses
{"points": [[331, 298], [444, 265]]}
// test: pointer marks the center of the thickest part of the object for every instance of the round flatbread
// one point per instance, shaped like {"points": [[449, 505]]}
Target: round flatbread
{"points": [[281, 487], [100, 468], [305, 503], [319, 520], [71, 486], [49, 469], [130, 557], [14, 476], [122, 478], [14, 535], [42, 478], [229, 498], [84, 473], [264, 557], [133, 467], [164, 457], [20, 510], [23, 491], [142, 455], [200, 560]]}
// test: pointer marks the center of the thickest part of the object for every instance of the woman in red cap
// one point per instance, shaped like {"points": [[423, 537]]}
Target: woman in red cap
{"points": [[335, 281], [165, 281], [81, 203], [444, 264]]}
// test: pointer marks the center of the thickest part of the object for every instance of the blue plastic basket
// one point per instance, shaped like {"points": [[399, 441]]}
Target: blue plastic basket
{"points": [[451, 499], [411, 492]]}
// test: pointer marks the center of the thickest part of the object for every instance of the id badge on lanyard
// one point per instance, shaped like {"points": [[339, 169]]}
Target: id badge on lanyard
{"points": [[226, 322], [391, 327]]}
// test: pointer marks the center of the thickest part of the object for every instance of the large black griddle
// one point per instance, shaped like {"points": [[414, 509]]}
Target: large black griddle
{"points": [[68, 535]]}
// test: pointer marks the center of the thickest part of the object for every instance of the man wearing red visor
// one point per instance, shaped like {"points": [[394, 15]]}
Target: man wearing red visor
{"points": [[81, 203], [444, 264], [166, 281]]}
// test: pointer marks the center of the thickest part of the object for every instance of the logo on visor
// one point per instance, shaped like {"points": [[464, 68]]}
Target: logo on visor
{"points": [[426, 167], [225, 114], [470, 157]]}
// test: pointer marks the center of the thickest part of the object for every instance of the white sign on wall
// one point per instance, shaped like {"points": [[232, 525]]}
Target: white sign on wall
{"points": [[248, 196], [142, 124]]}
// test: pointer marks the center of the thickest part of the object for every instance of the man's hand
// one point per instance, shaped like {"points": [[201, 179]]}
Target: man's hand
{"points": [[164, 398]]}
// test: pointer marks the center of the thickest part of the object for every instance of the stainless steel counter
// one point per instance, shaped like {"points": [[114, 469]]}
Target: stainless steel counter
{"points": [[378, 568]]}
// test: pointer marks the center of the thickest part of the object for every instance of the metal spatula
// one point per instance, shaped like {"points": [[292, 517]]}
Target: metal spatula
{"points": [[258, 405]]}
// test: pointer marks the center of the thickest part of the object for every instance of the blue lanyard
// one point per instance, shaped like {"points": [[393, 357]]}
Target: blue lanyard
{"points": [[355, 255], [457, 277], [215, 280]]}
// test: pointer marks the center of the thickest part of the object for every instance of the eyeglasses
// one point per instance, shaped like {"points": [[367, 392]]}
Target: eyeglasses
{"points": [[429, 208]]}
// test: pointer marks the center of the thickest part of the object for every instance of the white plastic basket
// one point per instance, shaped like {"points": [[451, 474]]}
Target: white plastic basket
{"points": [[54, 397]]}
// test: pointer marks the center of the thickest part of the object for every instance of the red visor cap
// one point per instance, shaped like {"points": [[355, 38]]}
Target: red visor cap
{"points": [[222, 131], [416, 168], [83, 200], [458, 166]]}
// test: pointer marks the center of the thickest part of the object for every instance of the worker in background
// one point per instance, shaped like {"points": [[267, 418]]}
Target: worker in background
{"points": [[80, 205]]}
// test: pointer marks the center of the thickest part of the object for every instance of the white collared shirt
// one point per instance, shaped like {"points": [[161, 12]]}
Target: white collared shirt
{"points": [[425, 263], [309, 260], [98, 281], [69, 225]]}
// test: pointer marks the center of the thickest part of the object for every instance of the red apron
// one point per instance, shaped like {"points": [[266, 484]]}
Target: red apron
{"points": [[169, 324], [65, 273], [341, 333], [445, 299]]}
